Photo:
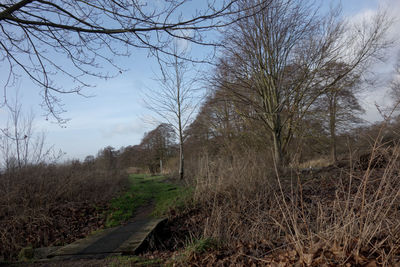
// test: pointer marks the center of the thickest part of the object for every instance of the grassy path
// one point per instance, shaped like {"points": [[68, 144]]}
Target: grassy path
{"points": [[145, 189]]}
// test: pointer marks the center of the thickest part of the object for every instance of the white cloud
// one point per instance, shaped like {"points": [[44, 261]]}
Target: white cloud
{"points": [[183, 45], [378, 96], [133, 127]]}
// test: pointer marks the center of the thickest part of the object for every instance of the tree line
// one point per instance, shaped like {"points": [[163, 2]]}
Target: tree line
{"points": [[287, 74], [284, 71]]}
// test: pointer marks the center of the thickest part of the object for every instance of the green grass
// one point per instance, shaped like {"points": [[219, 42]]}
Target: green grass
{"points": [[193, 248], [199, 246], [133, 261], [144, 188], [171, 197]]}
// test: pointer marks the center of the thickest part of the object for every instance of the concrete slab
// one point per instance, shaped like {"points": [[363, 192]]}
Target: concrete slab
{"points": [[135, 241]]}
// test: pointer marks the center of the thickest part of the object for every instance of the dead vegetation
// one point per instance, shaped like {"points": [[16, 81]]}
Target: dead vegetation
{"points": [[50, 205], [283, 169], [330, 217]]}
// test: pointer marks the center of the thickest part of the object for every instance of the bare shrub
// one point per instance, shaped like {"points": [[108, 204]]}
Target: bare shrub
{"points": [[41, 205], [378, 159], [236, 197], [361, 222], [342, 216]]}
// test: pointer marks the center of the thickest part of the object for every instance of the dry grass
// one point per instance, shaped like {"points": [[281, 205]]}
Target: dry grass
{"points": [[35, 199], [236, 195], [315, 163], [343, 216], [360, 225]]}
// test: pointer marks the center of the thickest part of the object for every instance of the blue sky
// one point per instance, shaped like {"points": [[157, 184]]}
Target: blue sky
{"points": [[116, 115]]}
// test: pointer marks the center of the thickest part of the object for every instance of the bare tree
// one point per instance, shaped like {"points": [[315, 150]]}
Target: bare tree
{"points": [[20, 145], [73, 39], [273, 60], [157, 146], [174, 101], [395, 83], [338, 107]]}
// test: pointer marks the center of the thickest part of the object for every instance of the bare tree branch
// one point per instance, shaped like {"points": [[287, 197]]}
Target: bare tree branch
{"points": [[274, 60], [47, 39], [175, 100]]}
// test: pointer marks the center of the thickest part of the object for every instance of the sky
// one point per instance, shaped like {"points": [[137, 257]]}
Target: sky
{"points": [[115, 114]]}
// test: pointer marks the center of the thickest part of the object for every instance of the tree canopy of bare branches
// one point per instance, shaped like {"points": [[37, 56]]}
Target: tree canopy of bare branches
{"points": [[273, 60], [338, 108], [395, 83], [20, 144], [45, 39], [175, 101]]}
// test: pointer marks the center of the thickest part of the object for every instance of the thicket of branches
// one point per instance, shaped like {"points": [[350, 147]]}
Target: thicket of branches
{"points": [[47, 41]]}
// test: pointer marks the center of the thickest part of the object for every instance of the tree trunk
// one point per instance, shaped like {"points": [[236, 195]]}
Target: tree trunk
{"points": [[277, 139], [278, 155], [181, 161], [332, 128], [181, 158]]}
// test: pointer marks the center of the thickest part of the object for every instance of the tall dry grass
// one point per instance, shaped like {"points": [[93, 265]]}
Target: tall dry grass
{"points": [[360, 224], [236, 194], [341, 216]]}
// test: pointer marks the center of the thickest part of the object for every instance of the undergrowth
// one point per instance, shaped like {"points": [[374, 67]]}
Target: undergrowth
{"points": [[194, 249], [336, 216], [122, 261], [49, 204]]}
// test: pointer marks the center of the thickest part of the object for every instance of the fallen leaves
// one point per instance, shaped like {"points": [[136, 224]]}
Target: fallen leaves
{"points": [[58, 225]]}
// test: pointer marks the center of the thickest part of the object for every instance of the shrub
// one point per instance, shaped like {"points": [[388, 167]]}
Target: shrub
{"points": [[337, 216], [39, 201]]}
